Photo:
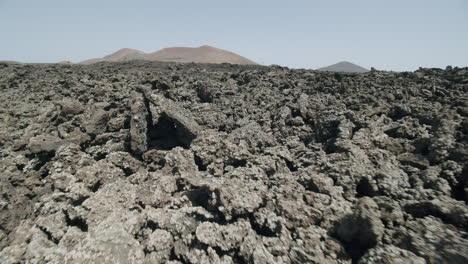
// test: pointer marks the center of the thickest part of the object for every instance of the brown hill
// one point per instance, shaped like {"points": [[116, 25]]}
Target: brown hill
{"points": [[203, 54], [120, 55]]}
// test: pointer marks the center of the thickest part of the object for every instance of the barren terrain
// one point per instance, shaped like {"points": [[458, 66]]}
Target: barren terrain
{"points": [[153, 162]]}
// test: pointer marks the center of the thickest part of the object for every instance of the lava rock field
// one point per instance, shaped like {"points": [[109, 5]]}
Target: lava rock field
{"points": [[151, 162]]}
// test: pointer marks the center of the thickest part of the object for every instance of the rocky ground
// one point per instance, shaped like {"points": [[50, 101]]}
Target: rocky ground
{"points": [[146, 162]]}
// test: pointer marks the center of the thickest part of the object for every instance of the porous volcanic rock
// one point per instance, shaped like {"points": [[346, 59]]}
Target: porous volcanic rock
{"points": [[153, 162]]}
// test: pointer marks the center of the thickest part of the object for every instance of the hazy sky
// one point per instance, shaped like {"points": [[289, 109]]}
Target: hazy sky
{"points": [[386, 34]]}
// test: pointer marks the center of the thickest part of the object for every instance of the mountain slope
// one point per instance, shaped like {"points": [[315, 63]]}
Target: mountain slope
{"points": [[124, 54], [203, 54], [120, 55], [344, 66]]}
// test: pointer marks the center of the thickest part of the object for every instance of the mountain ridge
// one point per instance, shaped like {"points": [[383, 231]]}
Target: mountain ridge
{"points": [[202, 54]]}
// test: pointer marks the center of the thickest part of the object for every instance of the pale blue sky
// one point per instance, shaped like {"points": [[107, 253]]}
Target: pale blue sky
{"points": [[386, 34]]}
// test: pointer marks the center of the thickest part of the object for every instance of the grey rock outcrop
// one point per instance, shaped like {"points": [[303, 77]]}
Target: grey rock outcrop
{"points": [[148, 162]]}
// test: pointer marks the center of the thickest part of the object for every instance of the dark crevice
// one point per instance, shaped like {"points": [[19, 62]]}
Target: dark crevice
{"points": [[356, 128], [181, 184], [49, 235], [87, 144], [152, 225], [236, 163], [95, 187], [295, 113], [270, 172], [308, 139], [425, 151], [222, 128], [393, 132], [30, 195], [44, 173], [132, 153], [174, 257], [422, 146], [203, 197], [150, 128], [141, 204], [126, 124], [199, 197], [100, 156], [43, 158], [327, 131], [79, 201], [20, 167], [159, 85], [309, 185], [239, 259], [355, 252], [164, 134], [127, 171], [364, 188], [199, 163], [422, 210], [110, 106], [77, 221], [458, 192], [290, 165]]}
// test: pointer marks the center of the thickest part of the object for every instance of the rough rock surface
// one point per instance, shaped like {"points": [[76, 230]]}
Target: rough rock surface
{"points": [[146, 162]]}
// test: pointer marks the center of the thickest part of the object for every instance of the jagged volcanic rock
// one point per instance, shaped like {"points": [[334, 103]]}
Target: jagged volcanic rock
{"points": [[151, 162]]}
